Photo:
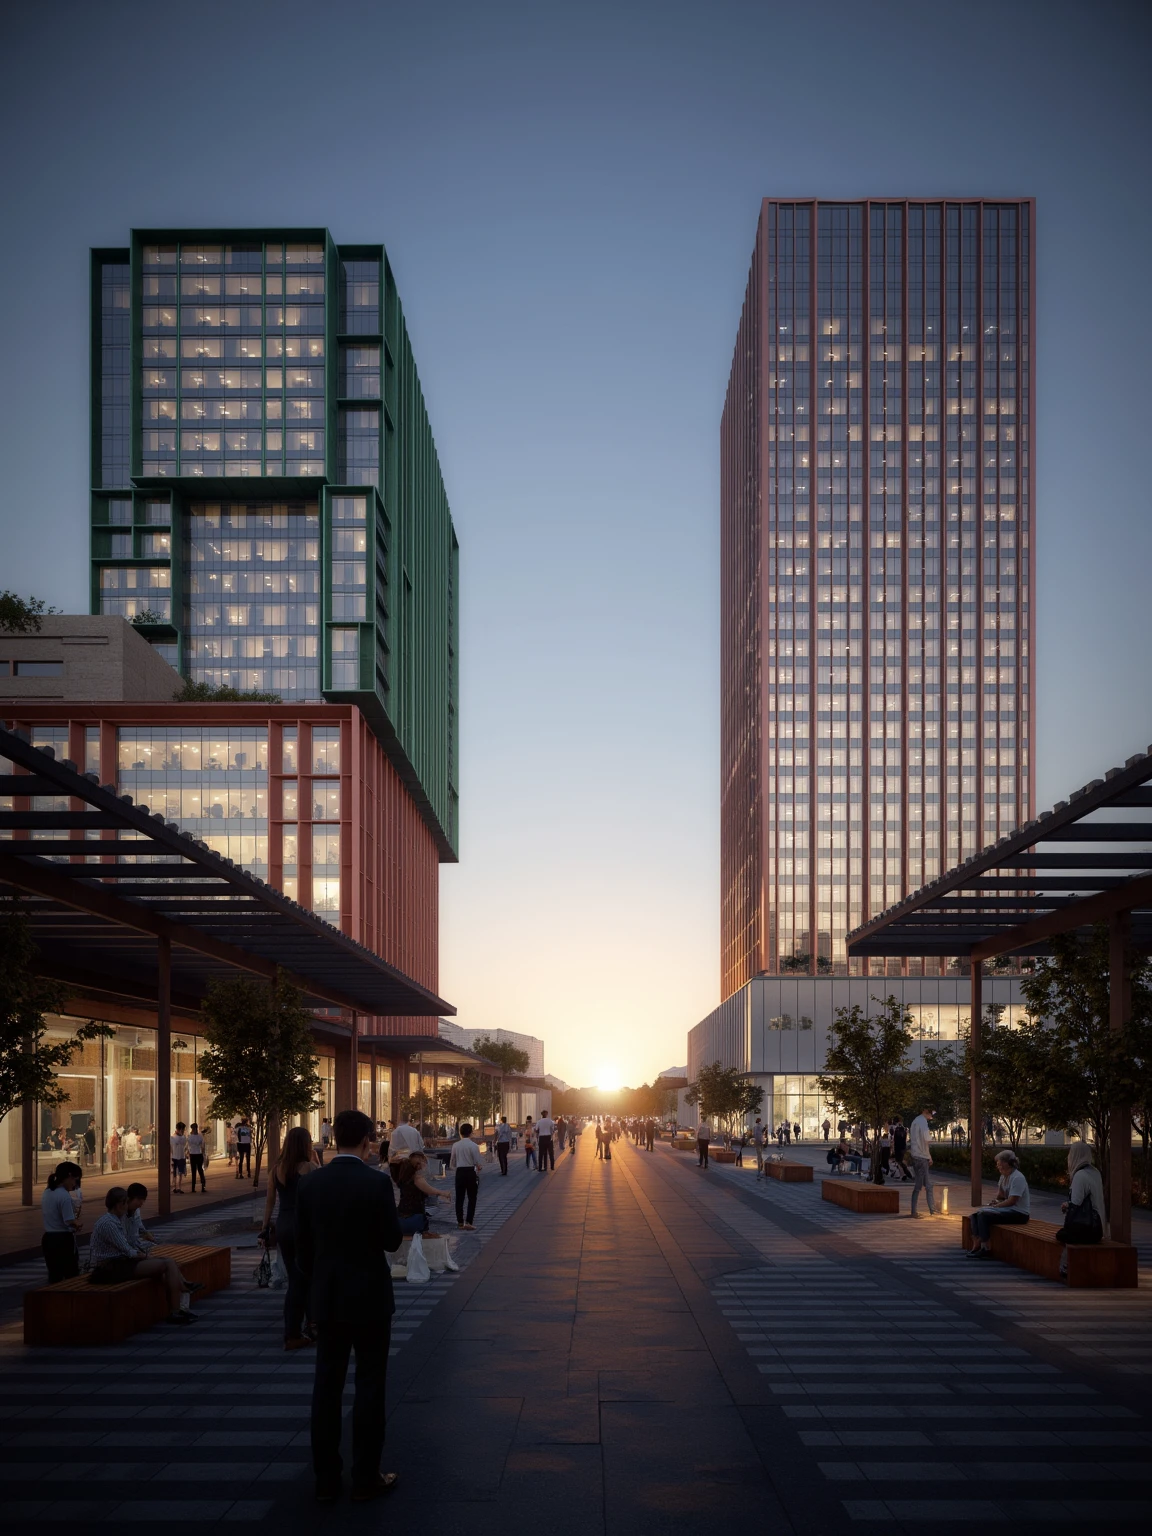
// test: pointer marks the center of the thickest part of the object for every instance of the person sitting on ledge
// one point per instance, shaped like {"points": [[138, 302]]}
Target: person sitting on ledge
{"points": [[1084, 1208], [843, 1153], [115, 1259], [138, 1235], [1009, 1205], [415, 1193]]}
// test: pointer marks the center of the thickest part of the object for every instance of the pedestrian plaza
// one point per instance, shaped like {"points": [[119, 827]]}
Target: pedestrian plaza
{"points": [[637, 1346]]}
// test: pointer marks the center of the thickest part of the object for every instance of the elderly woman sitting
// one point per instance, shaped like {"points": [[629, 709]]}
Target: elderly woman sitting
{"points": [[1084, 1208], [1009, 1205]]}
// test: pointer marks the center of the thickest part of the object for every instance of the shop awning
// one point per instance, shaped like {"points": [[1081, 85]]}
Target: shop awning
{"points": [[102, 880]]}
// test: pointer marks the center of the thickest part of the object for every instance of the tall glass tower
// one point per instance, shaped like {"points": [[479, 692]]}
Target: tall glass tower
{"points": [[877, 539], [267, 504]]}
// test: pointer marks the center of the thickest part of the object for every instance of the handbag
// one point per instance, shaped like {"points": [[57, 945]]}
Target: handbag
{"points": [[1085, 1215]]}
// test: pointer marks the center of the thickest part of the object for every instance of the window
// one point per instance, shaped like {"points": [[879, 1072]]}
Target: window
{"points": [[360, 373], [289, 749], [24, 667], [359, 447], [345, 658], [325, 800], [326, 749]]}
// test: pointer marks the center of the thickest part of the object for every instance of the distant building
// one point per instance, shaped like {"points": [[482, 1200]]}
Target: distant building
{"points": [[76, 657], [449, 1030]]}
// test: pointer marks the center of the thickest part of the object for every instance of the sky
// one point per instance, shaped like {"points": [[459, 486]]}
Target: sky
{"points": [[568, 194]]}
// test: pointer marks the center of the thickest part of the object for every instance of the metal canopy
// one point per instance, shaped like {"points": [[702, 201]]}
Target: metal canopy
{"points": [[102, 881], [433, 1051], [1081, 863]]}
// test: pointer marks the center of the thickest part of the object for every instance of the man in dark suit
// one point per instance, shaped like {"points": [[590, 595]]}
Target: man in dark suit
{"points": [[346, 1222]]}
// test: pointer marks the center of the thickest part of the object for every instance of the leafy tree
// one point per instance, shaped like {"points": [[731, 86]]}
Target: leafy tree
{"points": [[1088, 1067], [726, 1095], [455, 1101], [207, 693], [28, 1064], [503, 1054], [866, 1058], [148, 616], [260, 1060], [22, 616], [1014, 1068], [803, 962], [941, 1080]]}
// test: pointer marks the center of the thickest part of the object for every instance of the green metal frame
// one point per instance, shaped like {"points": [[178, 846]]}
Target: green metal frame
{"points": [[409, 642]]}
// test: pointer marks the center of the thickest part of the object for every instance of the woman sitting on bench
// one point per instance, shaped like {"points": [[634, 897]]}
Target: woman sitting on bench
{"points": [[1084, 1208], [1009, 1205], [843, 1153], [116, 1259]]}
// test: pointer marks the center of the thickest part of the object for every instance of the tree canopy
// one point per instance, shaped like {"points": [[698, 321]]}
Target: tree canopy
{"points": [[726, 1095], [28, 1063], [207, 693], [260, 1060], [21, 615], [502, 1053], [865, 1062]]}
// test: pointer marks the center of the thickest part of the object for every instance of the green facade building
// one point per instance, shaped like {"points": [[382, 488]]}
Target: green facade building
{"points": [[267, 503]]}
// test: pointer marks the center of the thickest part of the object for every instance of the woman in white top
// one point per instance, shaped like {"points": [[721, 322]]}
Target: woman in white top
{"points": [[1084, 1208], [1010, 1204], [61, 1223]]}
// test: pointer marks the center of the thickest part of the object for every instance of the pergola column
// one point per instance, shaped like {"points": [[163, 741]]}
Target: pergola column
{"points": [[975, 1108], [1120, 1124], [164, 1126]]}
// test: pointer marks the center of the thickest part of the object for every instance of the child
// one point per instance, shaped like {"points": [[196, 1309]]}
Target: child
{"points": [[179, 1158], [138, 1236]]}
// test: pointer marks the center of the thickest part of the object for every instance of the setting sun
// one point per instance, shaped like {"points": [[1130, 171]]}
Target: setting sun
{"points": [[608, 1079]]}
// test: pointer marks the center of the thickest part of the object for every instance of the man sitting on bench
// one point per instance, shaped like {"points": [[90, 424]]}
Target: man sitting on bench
{"points": [[1009, 1205], [116, 1259], [844, 1153]]}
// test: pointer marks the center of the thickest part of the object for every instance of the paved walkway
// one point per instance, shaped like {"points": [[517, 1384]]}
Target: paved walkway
{"points": [[634, 1348]]}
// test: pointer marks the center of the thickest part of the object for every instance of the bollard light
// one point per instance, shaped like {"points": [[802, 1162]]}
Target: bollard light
{"points": [[943, 1199]]}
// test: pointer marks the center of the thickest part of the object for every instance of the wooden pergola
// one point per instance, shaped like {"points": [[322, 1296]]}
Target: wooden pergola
{"points": [[1085, 862]]}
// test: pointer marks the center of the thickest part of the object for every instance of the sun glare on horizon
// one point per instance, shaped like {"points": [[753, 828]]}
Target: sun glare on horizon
{"points": [[608, 1079]]}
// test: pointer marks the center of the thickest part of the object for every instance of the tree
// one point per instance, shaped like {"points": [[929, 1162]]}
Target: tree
{"points": [[1013, 1065], [21, 616], [503, 1054], [206, 693], [148, 616], [1089, 1068], [28, 1065], [726, 1095], [864, 1063], [803, 962], [455, 1100], [260, 1060]]}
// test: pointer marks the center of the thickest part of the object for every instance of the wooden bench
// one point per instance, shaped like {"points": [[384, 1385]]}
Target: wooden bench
{"points": [[76, 1312], [684, 1143], [789, 1173], [869, 1199], [720, 1155], [1029, 1245]]}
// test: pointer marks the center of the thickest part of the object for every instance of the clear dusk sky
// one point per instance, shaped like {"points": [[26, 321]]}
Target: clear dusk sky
{"points": [[568, 193]]}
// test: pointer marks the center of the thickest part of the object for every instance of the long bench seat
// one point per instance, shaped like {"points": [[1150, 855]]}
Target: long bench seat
{"points": [[788, 1173], [854, 1195], [1030, 1245], [76, 1312]]}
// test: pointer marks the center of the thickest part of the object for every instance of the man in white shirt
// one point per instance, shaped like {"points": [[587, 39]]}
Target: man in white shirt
{"points": [[503, 1143], [465, 1162], [703, 1137], [545, 1131], [919, 1139], [179, 1144], [405, 1138]]}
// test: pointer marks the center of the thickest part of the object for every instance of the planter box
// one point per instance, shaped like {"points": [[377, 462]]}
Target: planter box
{"points": [[868, 1199], [721, 1156], [684, 1143], [789, 1173]]}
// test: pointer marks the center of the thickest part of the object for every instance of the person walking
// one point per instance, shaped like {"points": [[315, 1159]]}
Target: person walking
{"points": [[325, 1140], [196, 1157], [61, 1223], [599, 1139], [346, 1224], [922, 1160], [900, 1147], [826, 1127], [244, 1147], [545, 1131], [295, 1162], [230, 1143], [758, 1136], [796, 1131], [503, 1143], [465, 1163], [650, 1134], [529, 1143], [561, 1134], [703, 1137], [573, 1135]]}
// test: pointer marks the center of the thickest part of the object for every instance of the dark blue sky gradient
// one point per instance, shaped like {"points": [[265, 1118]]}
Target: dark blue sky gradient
{"points": [[569, 195]]}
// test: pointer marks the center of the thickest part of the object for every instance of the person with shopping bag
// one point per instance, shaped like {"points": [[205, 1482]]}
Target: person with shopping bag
{"points": [[346, 1225]]}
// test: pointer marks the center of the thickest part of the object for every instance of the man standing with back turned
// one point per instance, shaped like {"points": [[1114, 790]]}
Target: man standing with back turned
{"points": [[345, 1225]]}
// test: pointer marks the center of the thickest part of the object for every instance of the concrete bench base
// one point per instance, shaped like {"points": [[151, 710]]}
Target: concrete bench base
{"points": [[75, 1312], [1030, 1245], [870, 1199], [789, 1173]]}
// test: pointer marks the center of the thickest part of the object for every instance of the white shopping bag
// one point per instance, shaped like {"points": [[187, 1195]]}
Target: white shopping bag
{"points": [[436, 1252], [418, 1271]]}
